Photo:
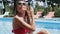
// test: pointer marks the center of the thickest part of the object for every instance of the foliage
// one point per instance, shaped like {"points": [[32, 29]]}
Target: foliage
{"points": [[46, 10], [57, 12], [38, 8]]}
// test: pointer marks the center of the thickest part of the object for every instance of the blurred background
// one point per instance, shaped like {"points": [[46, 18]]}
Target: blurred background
{"points": [[42, 9], [43, 6]]}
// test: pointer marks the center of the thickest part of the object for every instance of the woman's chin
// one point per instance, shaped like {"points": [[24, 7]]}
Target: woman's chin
{"points": [[24, 10]]}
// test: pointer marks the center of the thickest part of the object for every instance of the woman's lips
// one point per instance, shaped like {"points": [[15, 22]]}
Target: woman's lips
{"points": [[19, 7]]}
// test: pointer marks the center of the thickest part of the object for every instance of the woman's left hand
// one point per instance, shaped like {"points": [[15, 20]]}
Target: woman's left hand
{"points": [[31, 8]]}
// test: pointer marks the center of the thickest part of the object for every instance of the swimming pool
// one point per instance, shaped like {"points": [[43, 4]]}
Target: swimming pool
{"points": [[52, 25]]}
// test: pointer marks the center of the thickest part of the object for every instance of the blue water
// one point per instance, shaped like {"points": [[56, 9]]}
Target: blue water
{"points": [[52, 25]]}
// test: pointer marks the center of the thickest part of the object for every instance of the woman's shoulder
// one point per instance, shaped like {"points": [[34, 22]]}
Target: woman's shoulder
{"points": [[18, 18], [15, 18]]}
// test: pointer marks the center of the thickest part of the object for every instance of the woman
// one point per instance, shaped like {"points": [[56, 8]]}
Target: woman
{"points": [[22, 22]]}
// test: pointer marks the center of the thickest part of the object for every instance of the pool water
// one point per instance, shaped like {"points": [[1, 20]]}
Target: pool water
{"points": [[53, 26], [6, 25]]}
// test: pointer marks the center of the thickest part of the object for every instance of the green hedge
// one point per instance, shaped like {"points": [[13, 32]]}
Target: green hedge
{"points": [[38, 8], [57, 11]]}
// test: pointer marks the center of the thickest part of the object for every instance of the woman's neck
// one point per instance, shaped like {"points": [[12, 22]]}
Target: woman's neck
{"points": [[21, 14]]}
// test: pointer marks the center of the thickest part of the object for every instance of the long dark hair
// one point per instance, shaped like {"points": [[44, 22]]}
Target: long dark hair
{"points": [[28, 17], [26, 13]]}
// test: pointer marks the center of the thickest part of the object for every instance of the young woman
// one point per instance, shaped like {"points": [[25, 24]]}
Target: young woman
{"points": [[23, 20]]}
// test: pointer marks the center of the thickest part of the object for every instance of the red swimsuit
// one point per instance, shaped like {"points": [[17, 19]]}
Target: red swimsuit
{"points": [[20, 31]]}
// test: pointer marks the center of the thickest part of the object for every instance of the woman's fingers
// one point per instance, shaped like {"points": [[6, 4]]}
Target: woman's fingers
{"points": [[31, 8]]}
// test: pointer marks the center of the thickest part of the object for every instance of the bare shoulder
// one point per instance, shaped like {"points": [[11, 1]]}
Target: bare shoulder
{"points": [[18, 18], [14, 19]]}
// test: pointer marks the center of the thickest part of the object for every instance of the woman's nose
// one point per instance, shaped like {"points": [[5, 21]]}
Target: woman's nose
{"points": [[21, 4]]}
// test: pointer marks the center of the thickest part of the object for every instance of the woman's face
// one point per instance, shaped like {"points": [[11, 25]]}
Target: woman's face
{"points": [[21, 6]]}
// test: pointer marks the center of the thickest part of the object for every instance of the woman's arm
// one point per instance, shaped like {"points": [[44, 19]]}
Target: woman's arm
{"points": [[24, 23], [32, 16]]}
